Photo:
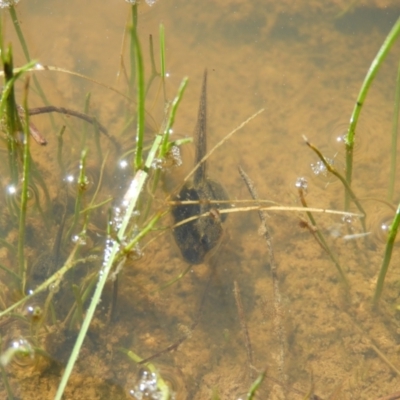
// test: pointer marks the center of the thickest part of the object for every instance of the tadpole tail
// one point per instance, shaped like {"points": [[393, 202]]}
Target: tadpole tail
{"points": [[200, 134]]}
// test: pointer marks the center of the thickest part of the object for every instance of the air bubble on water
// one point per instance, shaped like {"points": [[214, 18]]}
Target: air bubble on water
{"points": [[385, 227], [54, 287], [17, 348], [175, 153], [319, 168], [108, 249], [341, 139], [70, 178], [11, 189], [301, 183], [335, 230], [146, 387], [348, 219], [150, 3], [79, 239], [8, 3], [157, 163], [123, 164]]}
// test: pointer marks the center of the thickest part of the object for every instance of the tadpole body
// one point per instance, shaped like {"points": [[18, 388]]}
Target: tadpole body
{"points": [[197, 237]]}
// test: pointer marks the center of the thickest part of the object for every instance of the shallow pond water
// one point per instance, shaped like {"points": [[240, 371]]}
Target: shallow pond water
{"points": [[304, 64]]}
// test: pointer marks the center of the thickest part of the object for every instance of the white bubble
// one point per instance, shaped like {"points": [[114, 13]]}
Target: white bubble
{"points": [[301, 183], [8, 3], [319, 168], [123, 164], [70, 178], [11, 189]]}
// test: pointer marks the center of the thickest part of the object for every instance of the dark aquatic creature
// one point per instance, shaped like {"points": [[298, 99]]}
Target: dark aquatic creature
{"points": [[197, 237]]}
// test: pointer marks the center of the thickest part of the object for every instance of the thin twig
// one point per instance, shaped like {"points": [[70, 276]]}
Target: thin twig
{"points": [[73, 113], [243, 324], [220, 143], [279, 314]]}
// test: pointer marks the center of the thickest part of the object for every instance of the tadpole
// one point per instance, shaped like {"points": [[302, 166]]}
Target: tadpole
{"points": [[197, 237]]}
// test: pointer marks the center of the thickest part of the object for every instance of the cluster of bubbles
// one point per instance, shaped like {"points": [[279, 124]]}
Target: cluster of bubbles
{"points": [[150, 3], [18, 350], [8, 3], [146, 387], [301, 183]]}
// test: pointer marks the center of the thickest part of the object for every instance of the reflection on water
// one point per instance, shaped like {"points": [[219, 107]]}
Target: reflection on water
{"points": [[304, 63]]}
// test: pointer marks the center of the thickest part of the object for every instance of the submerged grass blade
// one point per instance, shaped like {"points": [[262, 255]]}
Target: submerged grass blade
{"points": [[388, 255], [395, 126], [140, 94], [132, 50], [60, 143], [162, 51], [8, 108], [171, 119], [161, 385], [345, 183], [373, 70], [165, 146], [24, 192], [322, 240], [154, 72], [24, 46], [81, 185], [54, 279], [255, 385]]}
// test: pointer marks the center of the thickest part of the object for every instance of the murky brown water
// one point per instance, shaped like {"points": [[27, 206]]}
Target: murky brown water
{"points": [[304, 63]]}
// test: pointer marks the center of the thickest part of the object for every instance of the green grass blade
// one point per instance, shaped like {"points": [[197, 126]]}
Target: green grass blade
{"points": [[81, 185], [388, 255], [395, 126], [24, 192], [132, 50], [131, 199], [171, 118], [348, 189], [161, 385], [24, 46], [373, 70], [162, 51], [140, 93], [256, 384]]}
